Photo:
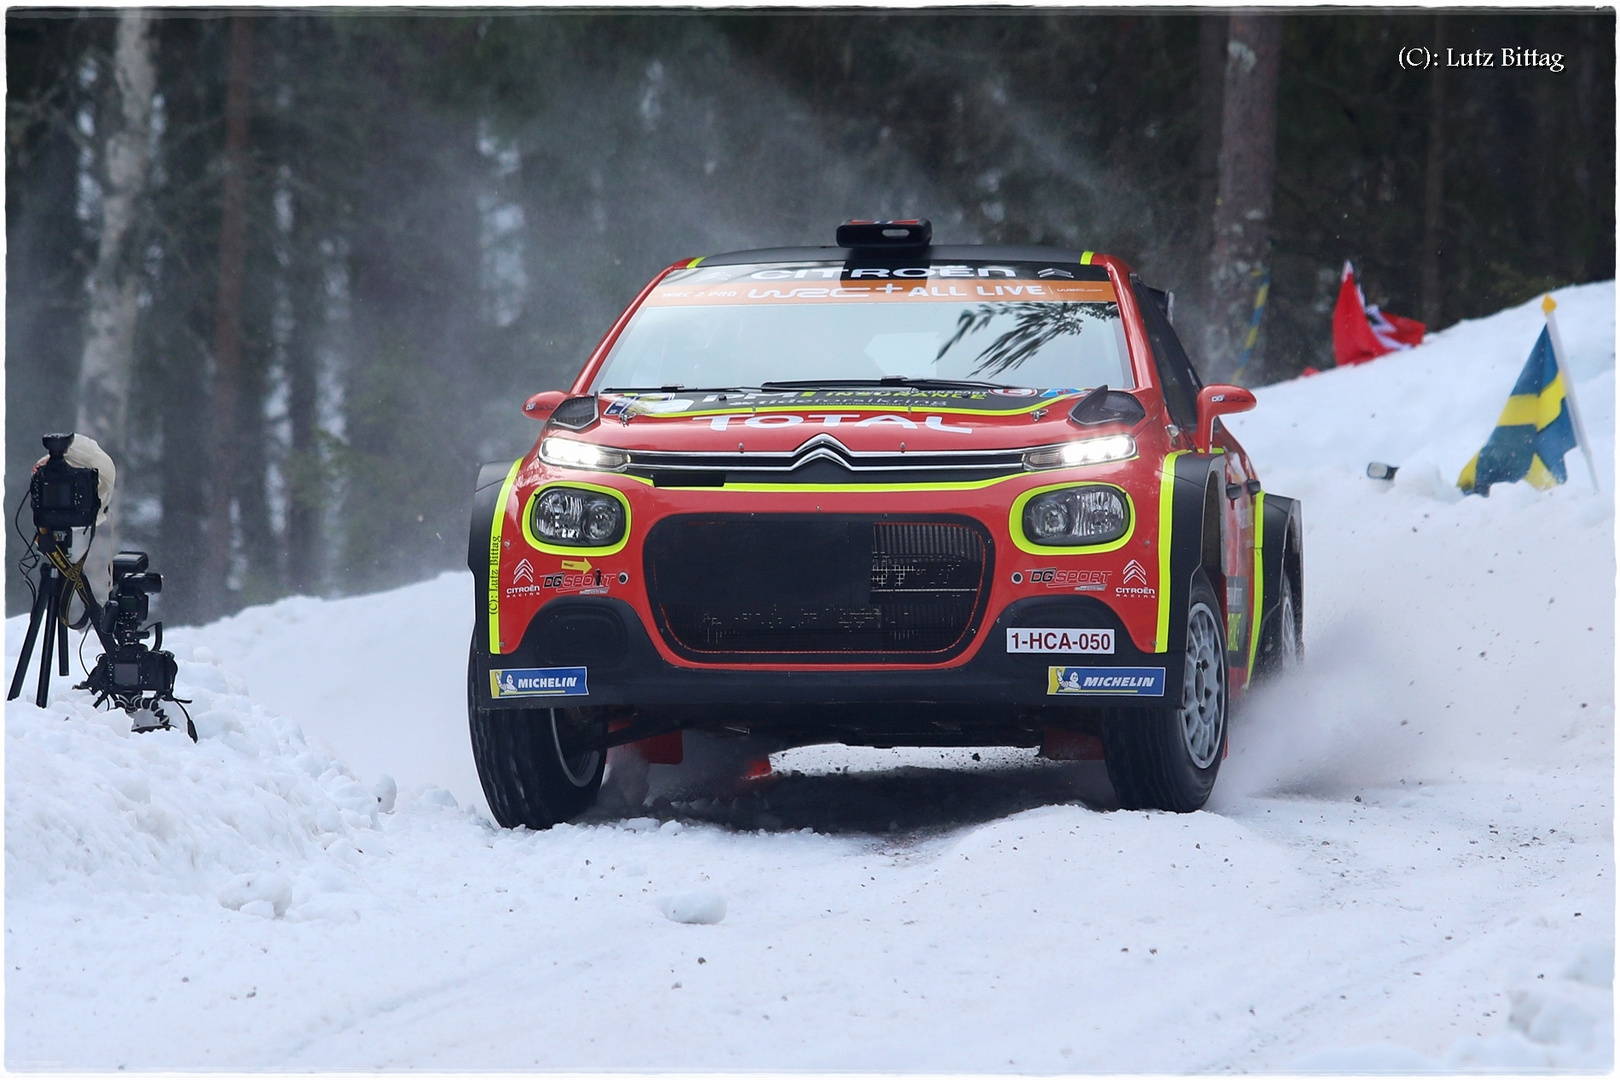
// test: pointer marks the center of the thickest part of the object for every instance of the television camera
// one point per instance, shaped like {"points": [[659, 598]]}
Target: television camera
{"points": [[69, 494]]}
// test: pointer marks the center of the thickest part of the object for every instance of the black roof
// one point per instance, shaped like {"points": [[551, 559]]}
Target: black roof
{"points": [[937, 253]]}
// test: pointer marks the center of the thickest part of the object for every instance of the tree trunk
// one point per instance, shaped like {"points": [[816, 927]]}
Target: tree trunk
{"points": [[228, 318], [182, 314], [1212, 34], [307, 300], [1434, 184], [1244, 200], [109, 347], [49, 251], [1588, 156]]}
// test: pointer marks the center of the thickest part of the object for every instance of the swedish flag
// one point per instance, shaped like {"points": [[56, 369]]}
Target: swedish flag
{"points": [[1533, 434]]}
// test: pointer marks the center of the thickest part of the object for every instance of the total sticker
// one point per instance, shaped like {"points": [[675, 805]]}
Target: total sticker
{"points": [[1029, 640]]}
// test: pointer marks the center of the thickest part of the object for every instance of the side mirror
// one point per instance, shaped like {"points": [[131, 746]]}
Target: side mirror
{"points": [[540, 406], [1218, 400]]}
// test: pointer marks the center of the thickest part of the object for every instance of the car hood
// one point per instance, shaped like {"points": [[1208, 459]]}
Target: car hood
{"points": [[886, 419]]}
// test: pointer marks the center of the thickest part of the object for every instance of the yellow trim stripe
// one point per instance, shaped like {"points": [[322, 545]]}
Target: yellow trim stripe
{"points": [[1085, 257], [695, 261], [1167, 488], [955, 485], [1257, 584], [495, 558]]}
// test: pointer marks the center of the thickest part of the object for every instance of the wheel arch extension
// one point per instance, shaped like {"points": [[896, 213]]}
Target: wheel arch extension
{"points": [[483, 535], [1195, 543], [1280, 534]]}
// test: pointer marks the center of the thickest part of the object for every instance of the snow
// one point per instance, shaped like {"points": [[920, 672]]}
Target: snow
{"points": [[1407, 866]]}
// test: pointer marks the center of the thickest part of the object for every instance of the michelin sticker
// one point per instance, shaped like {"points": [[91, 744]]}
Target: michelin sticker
{"points": [[1133, 681], [537, 682]]}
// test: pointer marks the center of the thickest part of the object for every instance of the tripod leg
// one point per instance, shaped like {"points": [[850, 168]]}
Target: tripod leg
{"points": [[62, 632], [28, 639], [43, 694]]}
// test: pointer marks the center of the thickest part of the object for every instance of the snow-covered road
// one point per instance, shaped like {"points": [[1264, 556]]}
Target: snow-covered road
{"points": [[1408, 861]]}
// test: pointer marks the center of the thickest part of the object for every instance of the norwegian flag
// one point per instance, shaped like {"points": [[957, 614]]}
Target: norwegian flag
{"points": [[1361, 332]]}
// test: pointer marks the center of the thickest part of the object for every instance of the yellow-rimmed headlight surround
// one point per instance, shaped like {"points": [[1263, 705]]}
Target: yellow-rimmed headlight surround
{"points": [[1080, 452], [1077, 516], [573, 454], [575, 517]]}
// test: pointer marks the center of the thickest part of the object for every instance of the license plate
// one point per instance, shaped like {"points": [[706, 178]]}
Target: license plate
{"points": [[1033, 640]]}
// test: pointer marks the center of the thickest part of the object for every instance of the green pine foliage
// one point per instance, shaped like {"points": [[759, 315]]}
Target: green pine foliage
{"points": [[447, 210]]}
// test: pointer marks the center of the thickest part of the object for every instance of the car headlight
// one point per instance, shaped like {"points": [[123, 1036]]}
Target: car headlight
{"points": [[578, 518], [1075, 516], [1082, 452], [573, 454]]}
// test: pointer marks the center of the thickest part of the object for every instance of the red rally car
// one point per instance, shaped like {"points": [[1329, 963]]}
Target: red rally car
{"points": [[884, 493]]}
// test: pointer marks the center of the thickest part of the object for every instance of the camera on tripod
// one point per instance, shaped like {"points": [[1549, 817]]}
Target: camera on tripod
{"points": [[61, 495], [130, 667], [71, 494], [132, 589]]}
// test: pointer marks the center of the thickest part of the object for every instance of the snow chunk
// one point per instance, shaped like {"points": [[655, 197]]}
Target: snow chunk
{"points": [[701, 907], [386, 792], [257, 894]]}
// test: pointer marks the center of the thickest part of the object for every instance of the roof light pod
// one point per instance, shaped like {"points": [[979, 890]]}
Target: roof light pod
{"points": [[914, 232]]}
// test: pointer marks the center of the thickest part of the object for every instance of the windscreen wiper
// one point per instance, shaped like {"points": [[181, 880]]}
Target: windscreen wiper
{"points": [[905, 381], [675, 388]]}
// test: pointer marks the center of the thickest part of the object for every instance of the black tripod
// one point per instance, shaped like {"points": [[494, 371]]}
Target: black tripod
{"points": [[59, 578]]}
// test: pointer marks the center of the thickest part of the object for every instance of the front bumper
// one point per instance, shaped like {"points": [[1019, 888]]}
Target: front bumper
{"points": [[604, 641]]}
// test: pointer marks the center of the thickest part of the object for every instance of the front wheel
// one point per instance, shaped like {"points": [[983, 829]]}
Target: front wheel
{"points": [[1167, 758], [530, 761]]}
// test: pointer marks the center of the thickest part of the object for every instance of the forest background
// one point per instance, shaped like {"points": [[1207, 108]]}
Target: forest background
{"points": [[298, 272]]}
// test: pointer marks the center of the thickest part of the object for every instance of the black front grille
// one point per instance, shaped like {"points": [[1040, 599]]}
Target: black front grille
{"points": [[817, 587]]}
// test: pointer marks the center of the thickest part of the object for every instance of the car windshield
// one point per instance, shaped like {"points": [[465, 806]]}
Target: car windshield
{"points": [[1010, 324]]}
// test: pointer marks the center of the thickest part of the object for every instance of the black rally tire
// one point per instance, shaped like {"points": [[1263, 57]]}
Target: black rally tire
{"points": [[1166, 758], [518, 753]]}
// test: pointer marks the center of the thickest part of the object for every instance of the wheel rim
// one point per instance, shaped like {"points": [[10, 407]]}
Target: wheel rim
{"points": [[1203, 687], [579, 768]]}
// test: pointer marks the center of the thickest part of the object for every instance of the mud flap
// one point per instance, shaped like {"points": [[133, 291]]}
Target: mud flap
{"points": [[1058, 744]]}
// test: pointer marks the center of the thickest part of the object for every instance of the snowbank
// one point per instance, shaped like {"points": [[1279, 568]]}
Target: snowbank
{"points": [[1408, 864]]}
